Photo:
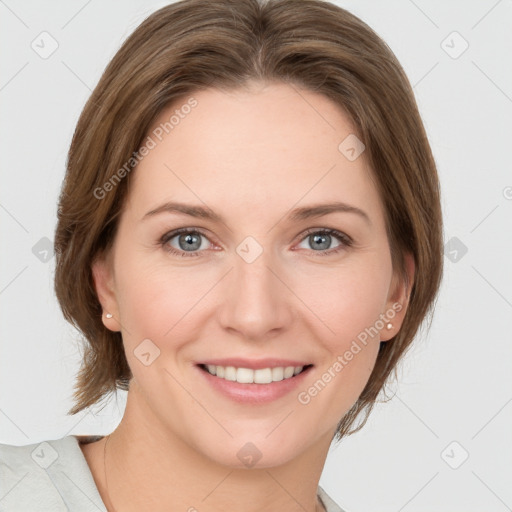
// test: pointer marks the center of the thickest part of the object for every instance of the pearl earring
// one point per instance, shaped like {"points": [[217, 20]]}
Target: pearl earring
{"points": [[109, 315], [389, 326]]}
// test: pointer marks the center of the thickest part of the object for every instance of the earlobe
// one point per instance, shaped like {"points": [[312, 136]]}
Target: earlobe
{"points": [[103, 278], [397, 304]]}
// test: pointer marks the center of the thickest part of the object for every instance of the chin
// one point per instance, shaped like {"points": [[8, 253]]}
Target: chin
{"points": [[254, 451]]}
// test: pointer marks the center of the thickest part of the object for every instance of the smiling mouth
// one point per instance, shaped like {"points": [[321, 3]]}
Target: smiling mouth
{"points": [[250, 376]]}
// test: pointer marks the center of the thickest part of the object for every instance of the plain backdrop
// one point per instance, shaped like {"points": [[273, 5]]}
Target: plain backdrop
{"points": [[443, 441]]}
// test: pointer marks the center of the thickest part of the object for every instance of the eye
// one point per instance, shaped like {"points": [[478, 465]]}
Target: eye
{"points": [[189, 244], [322, 238], [187, 240]]}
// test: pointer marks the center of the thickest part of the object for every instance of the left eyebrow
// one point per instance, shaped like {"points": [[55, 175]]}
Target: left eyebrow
{"points": [[298, 214], [187, 209], [319, 210]]}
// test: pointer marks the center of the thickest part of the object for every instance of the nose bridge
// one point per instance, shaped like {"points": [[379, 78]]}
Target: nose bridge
{"points": [[256, 301]]}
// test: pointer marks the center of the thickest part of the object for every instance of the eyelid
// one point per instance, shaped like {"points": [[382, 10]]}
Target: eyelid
{"points": [[169, 235], [339, 234], [345, 240]]}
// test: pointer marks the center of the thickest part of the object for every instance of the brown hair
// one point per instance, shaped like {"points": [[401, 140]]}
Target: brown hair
{"points": [[192, 45]]}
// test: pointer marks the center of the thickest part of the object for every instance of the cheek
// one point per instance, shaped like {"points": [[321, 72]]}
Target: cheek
{"points": [[345, 301], [155, 300], [337, 303], [349, 302], [168, 304]]}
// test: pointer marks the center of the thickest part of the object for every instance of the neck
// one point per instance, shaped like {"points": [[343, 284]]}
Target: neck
{"points": [[147, 468]]}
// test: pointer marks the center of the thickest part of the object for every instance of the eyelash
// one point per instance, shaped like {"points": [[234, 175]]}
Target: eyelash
{"points": [[345, 240]]}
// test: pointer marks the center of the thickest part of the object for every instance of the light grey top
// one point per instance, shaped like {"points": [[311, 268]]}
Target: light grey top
{"points": [[54, 476]]}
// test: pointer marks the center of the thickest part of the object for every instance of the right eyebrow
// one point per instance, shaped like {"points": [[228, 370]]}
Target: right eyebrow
{"points": [[298, 214]]}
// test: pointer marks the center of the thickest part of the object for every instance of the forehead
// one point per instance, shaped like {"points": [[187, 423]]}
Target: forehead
{"points": [[262, 146]]}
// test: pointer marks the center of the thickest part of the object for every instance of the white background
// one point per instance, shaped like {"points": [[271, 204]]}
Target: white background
{"points": [[455, 385]]}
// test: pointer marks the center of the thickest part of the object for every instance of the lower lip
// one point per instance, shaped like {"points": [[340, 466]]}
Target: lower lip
{"points": [[254, 393]]}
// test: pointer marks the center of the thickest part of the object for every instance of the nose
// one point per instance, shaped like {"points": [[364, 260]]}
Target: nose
{"points": [[257, 304]]}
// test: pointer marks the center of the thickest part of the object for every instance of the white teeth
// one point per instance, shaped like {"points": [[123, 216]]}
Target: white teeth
{"points": [[288, 372], [263, 376], [244, 375], [230, 373], [249, 376], [277, 374]]}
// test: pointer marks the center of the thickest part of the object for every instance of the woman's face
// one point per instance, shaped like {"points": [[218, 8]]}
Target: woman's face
{"points": [[262, 289]]}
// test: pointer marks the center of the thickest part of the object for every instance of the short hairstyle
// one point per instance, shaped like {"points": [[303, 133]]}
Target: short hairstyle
{"points": [[192, 45]]}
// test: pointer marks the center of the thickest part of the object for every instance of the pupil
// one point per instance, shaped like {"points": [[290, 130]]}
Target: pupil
{"points": [[189, 241], [320, 238]]}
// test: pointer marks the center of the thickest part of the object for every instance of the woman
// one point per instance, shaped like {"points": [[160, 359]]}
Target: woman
{"points": [[249, 237]]}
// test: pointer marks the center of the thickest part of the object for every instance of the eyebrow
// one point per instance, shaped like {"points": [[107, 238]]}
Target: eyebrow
{"points": [[298, 214]]}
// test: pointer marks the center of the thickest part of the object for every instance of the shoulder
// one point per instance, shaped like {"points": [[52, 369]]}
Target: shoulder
{"points": [[329, 504], [48, 475]]}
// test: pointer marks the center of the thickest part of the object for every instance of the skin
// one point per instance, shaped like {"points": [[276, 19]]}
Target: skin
{"points": [[272, 145]]}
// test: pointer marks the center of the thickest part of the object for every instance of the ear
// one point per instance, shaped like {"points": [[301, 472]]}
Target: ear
{"points": [[398, 300], [104, 284]]}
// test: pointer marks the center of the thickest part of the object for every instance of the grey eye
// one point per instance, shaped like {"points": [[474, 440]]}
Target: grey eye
{"points": [[187, 241], [320, 241]]}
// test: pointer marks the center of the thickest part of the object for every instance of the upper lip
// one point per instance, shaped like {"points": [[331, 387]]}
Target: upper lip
{"points": [[254, 364]]}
